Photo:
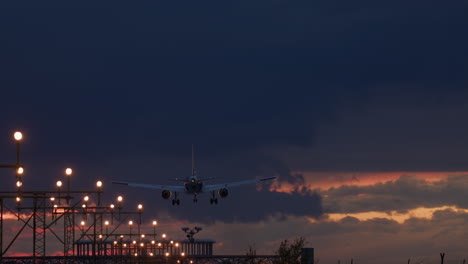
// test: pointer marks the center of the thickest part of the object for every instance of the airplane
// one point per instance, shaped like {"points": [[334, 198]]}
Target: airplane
{"points": [[193, 185]]}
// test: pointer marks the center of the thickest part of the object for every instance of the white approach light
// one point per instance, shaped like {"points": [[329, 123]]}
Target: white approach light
{"points": [[18, 136]]}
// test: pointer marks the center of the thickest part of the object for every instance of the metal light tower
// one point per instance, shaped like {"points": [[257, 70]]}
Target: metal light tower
{"points": [[45, 208], [155, 223], [18, 136]]}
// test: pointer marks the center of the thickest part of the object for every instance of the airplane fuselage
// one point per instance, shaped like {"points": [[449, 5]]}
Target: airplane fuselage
{"points": [[193, 185]]}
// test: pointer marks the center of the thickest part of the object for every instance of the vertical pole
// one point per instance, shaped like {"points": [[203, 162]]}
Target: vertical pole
{"points": [[17, 153], [73, 232], [44, 227], [1, 230], [65, 240], [34, 228], [94, 236], [39, 228], [68, 189]]}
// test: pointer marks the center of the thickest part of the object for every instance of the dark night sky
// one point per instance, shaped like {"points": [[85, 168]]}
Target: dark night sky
{"points": [[119, 91]]}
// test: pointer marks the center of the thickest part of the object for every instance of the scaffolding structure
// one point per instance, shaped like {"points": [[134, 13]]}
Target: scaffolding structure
{"points": [[41, 211], [90, 232]]}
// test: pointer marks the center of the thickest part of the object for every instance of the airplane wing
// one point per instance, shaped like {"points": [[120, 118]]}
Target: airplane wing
{"points": [[152, 186], [209, 188]]}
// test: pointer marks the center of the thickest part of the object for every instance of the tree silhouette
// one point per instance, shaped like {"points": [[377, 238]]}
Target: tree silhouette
{"points": [[251, 254], [290, 253]]}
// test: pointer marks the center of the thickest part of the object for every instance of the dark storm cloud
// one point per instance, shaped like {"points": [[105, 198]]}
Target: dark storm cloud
{"points": [[408, 192], [395, 132], [248, 205], [121, 90], [233, 74]]}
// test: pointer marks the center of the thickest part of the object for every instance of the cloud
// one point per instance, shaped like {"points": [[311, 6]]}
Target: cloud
{"points": [[270, 78], [325, 85], [366, 241], [406, 193], [244, 204]]}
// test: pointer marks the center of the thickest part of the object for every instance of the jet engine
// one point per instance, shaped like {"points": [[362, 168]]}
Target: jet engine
{"points": [[166, 194], [223, 192]]}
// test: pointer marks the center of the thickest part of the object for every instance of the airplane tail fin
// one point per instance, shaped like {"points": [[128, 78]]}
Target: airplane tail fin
{"points": [[193, 161]]}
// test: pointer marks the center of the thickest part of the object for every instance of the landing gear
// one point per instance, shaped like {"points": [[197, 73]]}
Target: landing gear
{"points": [[176, 200], [213, 199]]}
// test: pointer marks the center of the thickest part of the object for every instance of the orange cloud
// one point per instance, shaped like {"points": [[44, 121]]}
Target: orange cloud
{"points": [[11, 216], [399, 217], [327, 180]]}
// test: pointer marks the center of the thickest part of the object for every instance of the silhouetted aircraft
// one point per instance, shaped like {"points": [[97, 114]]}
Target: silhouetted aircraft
{"points": [[193, 185]]}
